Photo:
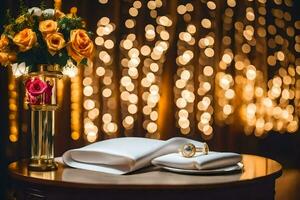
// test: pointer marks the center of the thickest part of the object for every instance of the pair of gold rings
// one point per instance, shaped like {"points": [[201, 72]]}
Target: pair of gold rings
{"points": [[189, 150]]}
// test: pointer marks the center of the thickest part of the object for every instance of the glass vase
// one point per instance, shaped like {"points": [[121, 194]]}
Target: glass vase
{"points": [[41, 94]]}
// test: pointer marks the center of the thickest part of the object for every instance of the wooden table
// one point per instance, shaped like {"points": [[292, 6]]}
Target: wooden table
{"points": [[257, 181]]}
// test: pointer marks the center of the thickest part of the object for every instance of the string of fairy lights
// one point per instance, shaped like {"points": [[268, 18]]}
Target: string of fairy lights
{"points": [[206, 71], [281, 87], [76, 107], [246, 68], [224, 92], [184, 84], [13, 109], [235, 60], [130, 63], [106, 45], [157, 38]]}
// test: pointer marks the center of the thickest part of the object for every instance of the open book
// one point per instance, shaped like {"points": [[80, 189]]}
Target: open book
{"points": [[124, 155]]}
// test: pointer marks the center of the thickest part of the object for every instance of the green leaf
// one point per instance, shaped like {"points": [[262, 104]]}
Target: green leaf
{"points": [[84, 61], [9, 18], [43, 5], [60, 58], [90, 33], [23, 7], [67, 24]]}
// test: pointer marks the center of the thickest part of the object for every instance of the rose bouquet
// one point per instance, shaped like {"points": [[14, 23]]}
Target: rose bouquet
{"points": [[41, 44], [47, 36]]}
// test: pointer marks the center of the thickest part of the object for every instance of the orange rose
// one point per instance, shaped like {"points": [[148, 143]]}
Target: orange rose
{"points": [[12, 57], [48, 26], [59, 14], [3, 42], [6, 58], [3, 58], [25, 39], [55, 42], [80, 46]]}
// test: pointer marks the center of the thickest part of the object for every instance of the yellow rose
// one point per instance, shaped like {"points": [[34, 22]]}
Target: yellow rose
{"points": [[6, 58], [25, 39], [55, 42], [20, 19], [80, 46], [3, 42], [48, 26], [3, 58], [58, 14]]}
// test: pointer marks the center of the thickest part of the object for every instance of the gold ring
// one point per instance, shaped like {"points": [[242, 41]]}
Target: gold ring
{"points": [[189, 150]]}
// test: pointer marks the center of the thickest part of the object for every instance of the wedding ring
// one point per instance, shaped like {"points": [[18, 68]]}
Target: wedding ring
{"points": [[189, 150]]}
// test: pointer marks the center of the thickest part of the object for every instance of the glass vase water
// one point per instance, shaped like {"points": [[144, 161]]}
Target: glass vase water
{"points": [[41, 94]]}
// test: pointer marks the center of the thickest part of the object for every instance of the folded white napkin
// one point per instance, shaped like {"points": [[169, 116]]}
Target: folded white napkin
{"points": [[213, 160], [124, 155]]}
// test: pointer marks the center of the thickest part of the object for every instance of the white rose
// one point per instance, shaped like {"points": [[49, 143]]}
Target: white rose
{"points": [[35, 11], [49, 12], [19, 69], [70, 69]]}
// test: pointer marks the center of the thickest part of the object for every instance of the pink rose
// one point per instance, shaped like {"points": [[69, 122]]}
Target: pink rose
{"points": [[48, 93], [33, 100], [35, 87], [38, 91]]}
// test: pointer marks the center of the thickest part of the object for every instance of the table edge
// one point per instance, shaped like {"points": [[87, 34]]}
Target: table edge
{"points": [[55, 183]]}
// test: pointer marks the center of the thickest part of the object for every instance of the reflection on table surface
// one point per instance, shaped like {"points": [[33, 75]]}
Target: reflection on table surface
{"points": [[254, 167]]}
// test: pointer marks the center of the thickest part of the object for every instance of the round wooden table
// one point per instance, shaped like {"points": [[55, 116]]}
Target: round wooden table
{"points": [[256, 181]]}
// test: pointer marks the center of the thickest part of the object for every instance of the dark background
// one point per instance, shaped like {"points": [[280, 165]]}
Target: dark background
{"points": [[284, 147]]}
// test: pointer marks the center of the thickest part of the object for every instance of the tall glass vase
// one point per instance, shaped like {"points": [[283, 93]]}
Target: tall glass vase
{"points": [[41, 93]]}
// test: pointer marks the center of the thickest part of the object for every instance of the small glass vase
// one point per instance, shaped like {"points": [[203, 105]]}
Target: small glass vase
{"points": [[41, 94]]}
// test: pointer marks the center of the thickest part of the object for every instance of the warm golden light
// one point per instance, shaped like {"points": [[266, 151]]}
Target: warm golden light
{"points": [[239, 64]]}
